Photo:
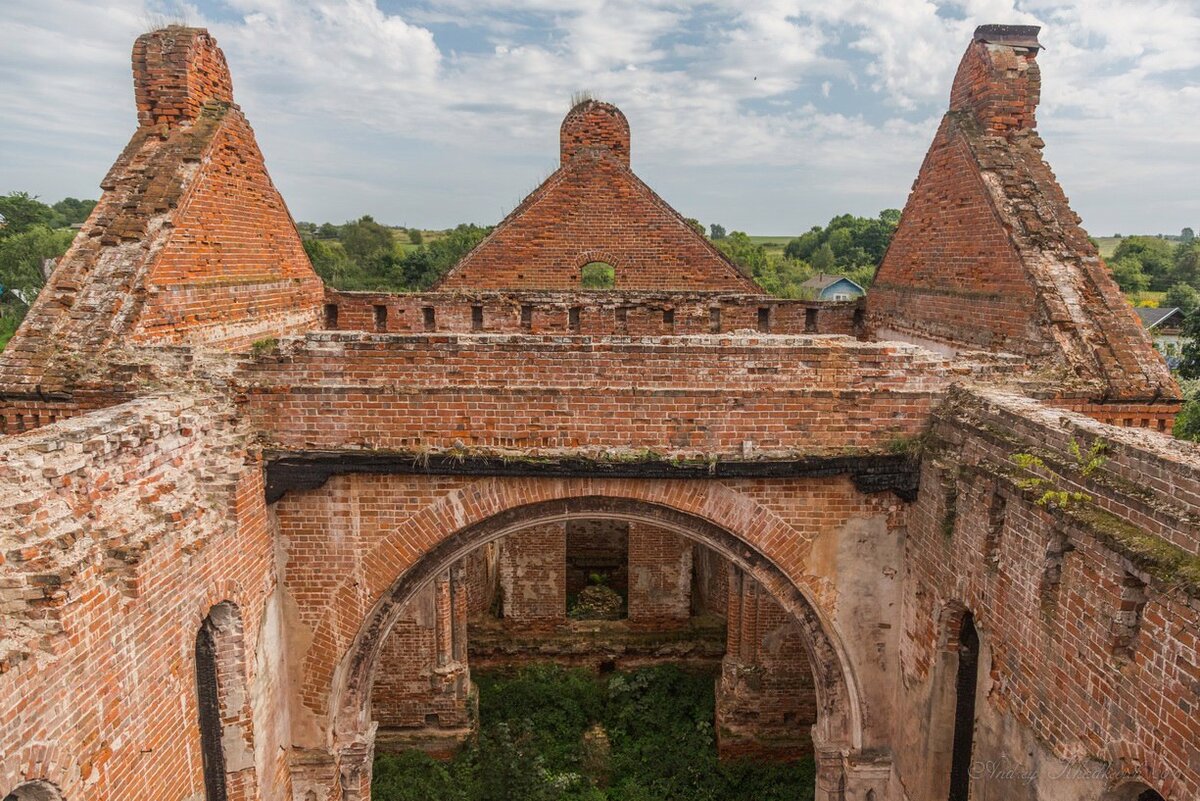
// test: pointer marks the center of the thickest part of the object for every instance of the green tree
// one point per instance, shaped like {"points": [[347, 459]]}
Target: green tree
{"points": [[1183, 296], [365, 239], [696, 225], [716, 231], [1155, 257], [1187, 236], [72, 211], [1187, 422], [1189, 365], [415, 236], [1129, 275], [1187, 265], [23, 254], [740, 250], [330, 261], [823, 260], [22, 211]]}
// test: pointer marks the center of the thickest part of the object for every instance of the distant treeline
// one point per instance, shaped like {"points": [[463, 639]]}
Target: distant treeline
{"points": [[1158, 264], [849, 245], [366, 255]]}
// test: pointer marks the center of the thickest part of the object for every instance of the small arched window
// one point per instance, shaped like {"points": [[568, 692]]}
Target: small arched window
{"points": [[598, 275]]}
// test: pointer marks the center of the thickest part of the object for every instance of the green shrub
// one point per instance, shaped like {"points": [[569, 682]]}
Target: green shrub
{"points": [[658, 722]]}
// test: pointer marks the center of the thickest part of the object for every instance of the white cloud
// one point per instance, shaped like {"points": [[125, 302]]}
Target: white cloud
{"points": [[361, 109]]}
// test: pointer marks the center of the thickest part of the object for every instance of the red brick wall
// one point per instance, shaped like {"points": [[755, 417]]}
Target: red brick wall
{"points": [[593, 208], [533, 575], [176, 70], [119, 531], [599, 313], [951, 272], [766, 701], [233, 269], [422, 680], [1048, 593], [778, 394], [660, 576], [190, 241]]}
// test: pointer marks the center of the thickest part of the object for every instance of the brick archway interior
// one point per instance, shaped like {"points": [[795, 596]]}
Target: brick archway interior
{"points": [[839, 725]]}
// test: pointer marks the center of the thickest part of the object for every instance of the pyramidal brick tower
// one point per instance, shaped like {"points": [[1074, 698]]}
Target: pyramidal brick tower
{"points": [[595, 209], [190, 243], [989, 255]]}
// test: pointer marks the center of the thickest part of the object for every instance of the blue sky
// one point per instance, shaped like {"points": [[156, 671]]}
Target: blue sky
{"points": [[768, 117]]}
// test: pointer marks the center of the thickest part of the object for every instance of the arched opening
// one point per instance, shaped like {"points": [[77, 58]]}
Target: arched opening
{"points": [[1133, 791], [598, 275], [837, 727], [35, 791], [966, 683], [222, 705]]}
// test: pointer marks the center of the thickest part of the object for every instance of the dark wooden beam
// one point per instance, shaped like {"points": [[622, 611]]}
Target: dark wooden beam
{"points": [[304, 470]]}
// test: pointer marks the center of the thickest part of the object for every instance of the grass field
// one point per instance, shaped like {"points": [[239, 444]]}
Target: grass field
{"points": [[1107, 245]]}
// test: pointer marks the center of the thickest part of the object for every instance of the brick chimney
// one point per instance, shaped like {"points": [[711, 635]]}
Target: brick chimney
{"points": [[998, 79], [176, 70], [594, 127]]}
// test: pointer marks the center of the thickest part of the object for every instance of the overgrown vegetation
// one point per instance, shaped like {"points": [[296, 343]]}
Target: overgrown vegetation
{"points": [[552, 734]]}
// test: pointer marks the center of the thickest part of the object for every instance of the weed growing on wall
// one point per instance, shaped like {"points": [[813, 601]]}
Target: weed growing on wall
{"points": [[538, 740]]}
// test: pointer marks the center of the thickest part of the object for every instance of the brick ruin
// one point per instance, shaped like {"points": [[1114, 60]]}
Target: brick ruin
{"points": [[254, 529]]}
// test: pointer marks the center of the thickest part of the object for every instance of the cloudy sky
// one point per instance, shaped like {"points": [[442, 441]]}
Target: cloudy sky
{"points": [[768, 116]]}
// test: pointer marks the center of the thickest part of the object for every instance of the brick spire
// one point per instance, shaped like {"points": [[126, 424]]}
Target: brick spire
{"points": [[176, 70]]}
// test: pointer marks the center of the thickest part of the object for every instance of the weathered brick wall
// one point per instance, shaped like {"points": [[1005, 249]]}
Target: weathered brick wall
{"points": [[600, 313], [119, 531], [481, 567], [1080, 683], [593, 208], [176, 70], [766, 701], [533, 576], [710, 588], [660, 576], [421, 697], [702, 395], [989, 255]]}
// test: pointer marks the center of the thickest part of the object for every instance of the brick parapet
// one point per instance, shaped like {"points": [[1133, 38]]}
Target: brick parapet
{"points": [[743, 395], [599, 313]]}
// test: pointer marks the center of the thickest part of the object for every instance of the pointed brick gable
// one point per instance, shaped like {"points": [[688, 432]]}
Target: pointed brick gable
{"points": [[989, 255], [593, 208], [190, 243]]}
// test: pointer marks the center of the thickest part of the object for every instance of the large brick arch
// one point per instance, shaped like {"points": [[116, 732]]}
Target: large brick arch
{"points": [[742, 530]]}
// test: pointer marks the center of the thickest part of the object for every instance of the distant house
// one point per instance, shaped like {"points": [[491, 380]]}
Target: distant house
{"points": [[833, 287], [1165, 327]]}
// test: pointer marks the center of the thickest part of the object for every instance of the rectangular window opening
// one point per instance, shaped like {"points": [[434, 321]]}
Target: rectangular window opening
{"points": [[381, 314], [810, 321], [714, 320], [573, 318], [331, 316], [476, 318], [764, 319], [622, 315], [527, 318], [428, 318]]}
